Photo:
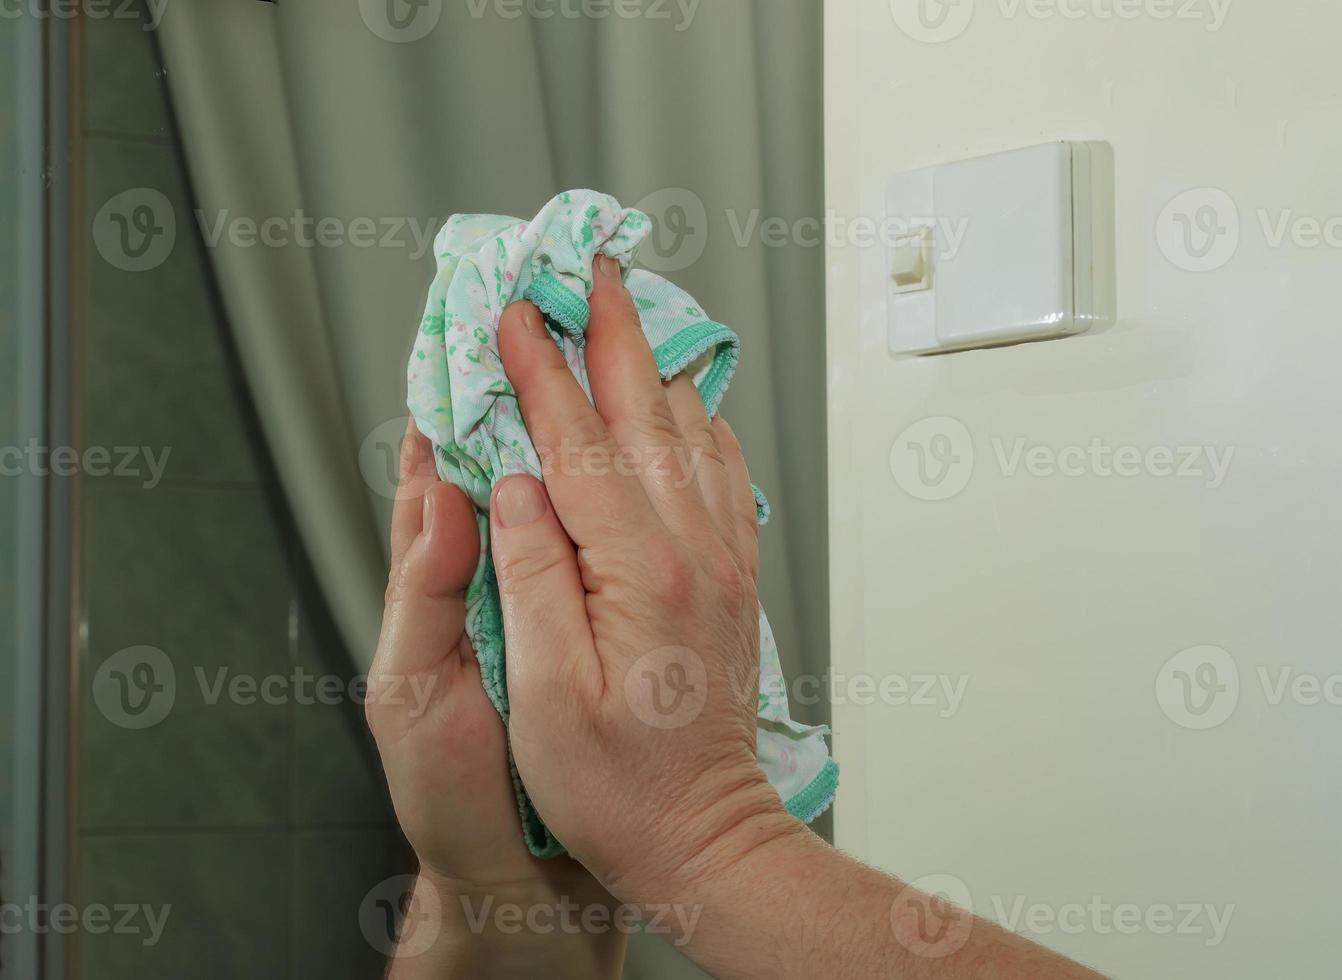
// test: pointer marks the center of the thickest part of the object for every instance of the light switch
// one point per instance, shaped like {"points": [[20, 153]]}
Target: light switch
{"points": [[911, 260], [1021, 243]]}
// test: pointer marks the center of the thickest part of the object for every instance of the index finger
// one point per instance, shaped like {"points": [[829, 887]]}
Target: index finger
{"points": [[581, 459]]}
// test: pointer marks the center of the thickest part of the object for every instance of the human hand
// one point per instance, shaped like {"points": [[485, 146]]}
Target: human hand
{"points": [[632, 568], [444, 747]]}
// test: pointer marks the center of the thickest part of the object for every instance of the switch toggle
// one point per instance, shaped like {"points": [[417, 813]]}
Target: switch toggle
{"points": [[911, 260]]}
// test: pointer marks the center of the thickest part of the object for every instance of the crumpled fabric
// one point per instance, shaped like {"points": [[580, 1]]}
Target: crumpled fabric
{"points": [[461, 400]]}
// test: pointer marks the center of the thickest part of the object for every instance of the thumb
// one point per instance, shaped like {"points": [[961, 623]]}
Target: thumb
{"points": [[426, 606], [544, 604]]}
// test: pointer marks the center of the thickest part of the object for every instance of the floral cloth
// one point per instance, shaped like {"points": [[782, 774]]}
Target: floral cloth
{"points": [[462, 401]]}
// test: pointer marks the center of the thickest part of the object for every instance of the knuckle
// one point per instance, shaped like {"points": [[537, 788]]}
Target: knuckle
{"points": [[670, 570], [587, 430], [707, 464], [703, 446], [517, 569], [652, 423], [729, 445], [617, 305]]}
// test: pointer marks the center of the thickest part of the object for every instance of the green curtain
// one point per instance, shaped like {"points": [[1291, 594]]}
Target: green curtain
{"points": [[383, 117]]}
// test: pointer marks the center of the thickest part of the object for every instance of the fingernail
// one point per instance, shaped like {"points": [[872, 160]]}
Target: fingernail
{"points": [[531, 319], [428, 512], [608, 267], [519, 502]]}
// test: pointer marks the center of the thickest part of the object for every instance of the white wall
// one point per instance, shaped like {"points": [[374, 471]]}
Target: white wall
{"points": [[1060, 776]]}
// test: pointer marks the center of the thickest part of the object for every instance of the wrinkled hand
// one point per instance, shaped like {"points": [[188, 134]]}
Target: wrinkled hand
{"points": [[628, 583], [443, 745]]}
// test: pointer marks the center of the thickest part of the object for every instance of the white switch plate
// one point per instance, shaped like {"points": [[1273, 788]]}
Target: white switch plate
{"points": [[1019, 246]]}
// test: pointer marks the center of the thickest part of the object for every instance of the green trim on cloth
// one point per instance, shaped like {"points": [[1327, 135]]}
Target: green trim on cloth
{"points": [[816, 798], [676, 354], [561, 305]]}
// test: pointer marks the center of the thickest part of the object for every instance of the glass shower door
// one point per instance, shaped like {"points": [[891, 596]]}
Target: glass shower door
{"points": [[31, 815]]}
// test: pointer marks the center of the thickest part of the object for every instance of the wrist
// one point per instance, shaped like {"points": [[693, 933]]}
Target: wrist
{"points": [[714, 843], [768, 900], [559, 922]]}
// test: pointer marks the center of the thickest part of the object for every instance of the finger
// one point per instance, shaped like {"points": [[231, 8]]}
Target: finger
{"points": [[545, 625], [633, 403], [703, 457], [425, 613], [417, 474], [742, 507], [593, 497]]}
